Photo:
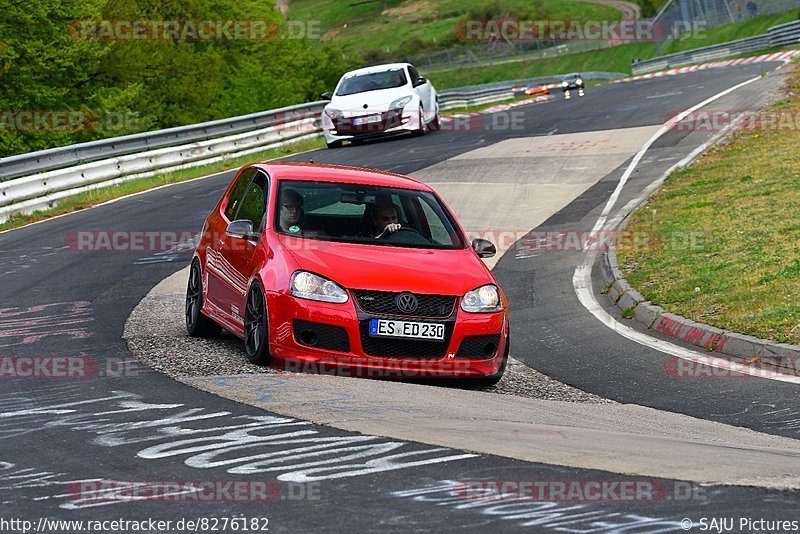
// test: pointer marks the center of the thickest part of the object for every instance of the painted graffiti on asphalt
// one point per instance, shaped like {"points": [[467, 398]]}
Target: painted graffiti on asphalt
{"points": [[560, 516], [289, 449], [22, 326]]}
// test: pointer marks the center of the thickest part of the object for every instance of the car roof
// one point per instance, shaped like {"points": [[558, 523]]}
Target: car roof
{"points": [[336, 173], [376, 68], [572, 75]]}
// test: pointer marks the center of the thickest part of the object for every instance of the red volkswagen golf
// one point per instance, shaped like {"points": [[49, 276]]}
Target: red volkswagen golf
{"points": [[315, 265]]}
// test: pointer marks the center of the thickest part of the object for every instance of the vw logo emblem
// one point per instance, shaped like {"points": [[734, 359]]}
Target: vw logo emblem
{"points": [[406, 302]]}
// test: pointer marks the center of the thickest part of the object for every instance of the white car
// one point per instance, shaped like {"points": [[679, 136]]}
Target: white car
{"points": [[380, 100]]}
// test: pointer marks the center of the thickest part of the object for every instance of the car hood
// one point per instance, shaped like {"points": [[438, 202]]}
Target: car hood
{"points": [[389, 268], [375, 100]]}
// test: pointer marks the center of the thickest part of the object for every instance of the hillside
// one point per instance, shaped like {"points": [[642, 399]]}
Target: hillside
{"points": [[413, 27]]}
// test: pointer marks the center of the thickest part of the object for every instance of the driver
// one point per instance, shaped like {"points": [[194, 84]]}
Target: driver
{"points": [[384, 220]]}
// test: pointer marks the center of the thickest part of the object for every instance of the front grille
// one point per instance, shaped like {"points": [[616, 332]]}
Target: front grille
{"points": [[478, 347], [404, 348], [383, 303], [321, 336]]}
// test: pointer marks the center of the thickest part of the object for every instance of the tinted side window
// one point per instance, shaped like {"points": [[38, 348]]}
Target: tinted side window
{"points": [[413, 74], [237, 192], [254, 201]]}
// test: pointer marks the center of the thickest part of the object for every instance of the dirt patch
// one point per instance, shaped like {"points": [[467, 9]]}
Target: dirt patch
{"points": [[331, 34], [409, 8]]}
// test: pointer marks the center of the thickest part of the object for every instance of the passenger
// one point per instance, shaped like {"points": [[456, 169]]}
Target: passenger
{"points": [[291, 217]]}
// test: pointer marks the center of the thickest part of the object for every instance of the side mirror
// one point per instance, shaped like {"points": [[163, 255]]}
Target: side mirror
{"points": [[483, 247], [422, 80], [241, 229], [326, 96]]}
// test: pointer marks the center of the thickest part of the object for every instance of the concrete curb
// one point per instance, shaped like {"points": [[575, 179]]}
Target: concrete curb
{"points": [[746, 349]]}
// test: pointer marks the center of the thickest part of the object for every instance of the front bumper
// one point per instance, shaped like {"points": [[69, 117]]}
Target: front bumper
{"points": [[390, 123], [466, 351]]}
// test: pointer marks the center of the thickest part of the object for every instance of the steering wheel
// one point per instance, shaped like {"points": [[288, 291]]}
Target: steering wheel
{"points": [[406, 234]]}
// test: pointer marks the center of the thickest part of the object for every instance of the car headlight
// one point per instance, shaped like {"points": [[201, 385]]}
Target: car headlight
{"points": [[565, 84], [400, 103], [334, 113], [307, 285], [482, 300], [579, 81]]}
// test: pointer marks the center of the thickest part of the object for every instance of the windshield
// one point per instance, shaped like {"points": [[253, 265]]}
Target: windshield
{"points": [[361, 83], [351, 213]]}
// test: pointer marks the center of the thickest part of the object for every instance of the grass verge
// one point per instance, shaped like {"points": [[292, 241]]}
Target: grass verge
{"points": [[615, 59], [726, 231], [104, 194]]}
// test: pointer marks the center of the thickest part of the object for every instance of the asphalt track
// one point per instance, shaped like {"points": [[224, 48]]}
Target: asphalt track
{"points": [[58, 302]]}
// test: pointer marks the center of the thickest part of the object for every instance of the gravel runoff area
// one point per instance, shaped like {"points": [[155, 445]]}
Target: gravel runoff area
{"points": [[156, 335]]}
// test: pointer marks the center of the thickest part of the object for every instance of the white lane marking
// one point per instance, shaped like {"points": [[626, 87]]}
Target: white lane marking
{"points": [[665, 128], [664, 95], [582, 283]]}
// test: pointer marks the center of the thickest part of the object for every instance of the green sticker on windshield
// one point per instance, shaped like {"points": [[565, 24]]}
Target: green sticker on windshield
{"points": [[294, 229]]}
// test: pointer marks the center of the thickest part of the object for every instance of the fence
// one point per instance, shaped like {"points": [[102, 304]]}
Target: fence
{"points": [[777, 36], [499, 52], [680, 16], [674, 20]]}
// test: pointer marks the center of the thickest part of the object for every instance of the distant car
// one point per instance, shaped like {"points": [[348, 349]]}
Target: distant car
{"points": [[572, 82], [377, 101], [538, 90], [291, 261]]}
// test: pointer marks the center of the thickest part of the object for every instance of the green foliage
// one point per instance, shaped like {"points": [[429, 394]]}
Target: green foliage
{"points": [[129, 86]]}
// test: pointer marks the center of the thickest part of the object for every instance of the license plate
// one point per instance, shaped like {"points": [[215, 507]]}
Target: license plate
{"points": [[366, 120], [406, 329]]}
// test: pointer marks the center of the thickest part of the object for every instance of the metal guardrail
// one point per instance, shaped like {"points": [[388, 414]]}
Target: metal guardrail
{"points": [[784, 34], [495, 92], [777, 36], [44, 160], [40, 190]]}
